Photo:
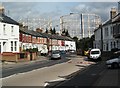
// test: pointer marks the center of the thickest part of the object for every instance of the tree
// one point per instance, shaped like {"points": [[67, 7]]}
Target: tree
{"points": [[46, 30], [67, 33], [76, 41], [51, 31], [54, 31], [63, 32]]}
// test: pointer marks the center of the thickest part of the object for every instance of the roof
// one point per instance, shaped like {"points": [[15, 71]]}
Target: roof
{"points": [[117, 18], [107, 22], [45, 35], [7, 19]]}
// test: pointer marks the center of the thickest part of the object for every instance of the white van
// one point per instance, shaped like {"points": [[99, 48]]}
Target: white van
{"points": [[95, 54]]}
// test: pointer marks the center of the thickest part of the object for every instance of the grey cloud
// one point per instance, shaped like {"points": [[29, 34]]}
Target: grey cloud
{"points": [[99, 8], [20, 10]]}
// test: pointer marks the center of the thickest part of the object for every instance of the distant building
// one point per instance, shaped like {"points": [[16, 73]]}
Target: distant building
{"points": [[79, 25]]}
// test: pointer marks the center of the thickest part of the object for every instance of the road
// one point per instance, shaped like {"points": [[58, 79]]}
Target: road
{"points": [[43, 76], [96, 75], [30, 66]]}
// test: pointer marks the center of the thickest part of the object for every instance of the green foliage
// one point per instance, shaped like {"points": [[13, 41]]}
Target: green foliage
{"points": [[84, 43], [63, 32], [67, 33], [32, 50], [46, 30], [51, 31], [54, 31]]}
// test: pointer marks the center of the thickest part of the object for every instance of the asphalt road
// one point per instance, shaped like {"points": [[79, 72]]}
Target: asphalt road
{"points": [[29, 67], [96, 75]]}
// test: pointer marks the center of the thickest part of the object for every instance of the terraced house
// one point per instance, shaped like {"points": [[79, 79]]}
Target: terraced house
{"points": [[107, 36], [44, 42], [9, 34]]}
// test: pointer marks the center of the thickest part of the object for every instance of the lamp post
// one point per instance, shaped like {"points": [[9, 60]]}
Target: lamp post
{"points": [[101, 37]]}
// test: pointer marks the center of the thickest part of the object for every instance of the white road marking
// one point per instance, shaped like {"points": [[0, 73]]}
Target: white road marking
{"points": [[46, 84], [56, 80]]}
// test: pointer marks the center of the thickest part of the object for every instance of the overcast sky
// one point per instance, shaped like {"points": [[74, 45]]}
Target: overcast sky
{"points": [[54, 10]]}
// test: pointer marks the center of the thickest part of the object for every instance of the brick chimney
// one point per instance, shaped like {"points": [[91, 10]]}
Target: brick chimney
{"points": [[39, 30], [113, 13], [2, 9]]}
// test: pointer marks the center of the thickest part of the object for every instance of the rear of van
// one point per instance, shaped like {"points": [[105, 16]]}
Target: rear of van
{"points": [[95, 54]]}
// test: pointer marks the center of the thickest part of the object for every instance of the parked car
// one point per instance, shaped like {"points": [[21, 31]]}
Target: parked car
{"points": [[95, 54], [62, 52], [114, 61], [55, 55]]}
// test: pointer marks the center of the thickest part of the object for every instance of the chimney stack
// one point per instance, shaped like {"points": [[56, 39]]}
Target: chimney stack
{"points": [[2, 9], [39, 30], [113, 12]]}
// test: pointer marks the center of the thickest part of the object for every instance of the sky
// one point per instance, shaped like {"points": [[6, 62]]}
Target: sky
{"points": [[54, 10]]}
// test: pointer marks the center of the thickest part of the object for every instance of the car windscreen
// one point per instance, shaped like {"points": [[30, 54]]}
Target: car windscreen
{"points": [[55, 52], [114, 56], [94, 52]]}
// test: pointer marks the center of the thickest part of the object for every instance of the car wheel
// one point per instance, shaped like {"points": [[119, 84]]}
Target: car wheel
{"points": [[115, 65]]}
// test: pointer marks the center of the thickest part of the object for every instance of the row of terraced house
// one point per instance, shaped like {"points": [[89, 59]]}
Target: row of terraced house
{"points": [[107, 36], [15, 39]]}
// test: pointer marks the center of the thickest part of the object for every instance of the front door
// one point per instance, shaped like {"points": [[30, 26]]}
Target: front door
{"points": [[4, 46]]}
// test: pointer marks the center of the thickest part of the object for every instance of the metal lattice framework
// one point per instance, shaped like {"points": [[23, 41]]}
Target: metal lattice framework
{"points": [[80, 25]]}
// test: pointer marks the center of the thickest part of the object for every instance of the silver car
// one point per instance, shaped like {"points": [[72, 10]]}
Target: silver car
{"points": [[55, 55], [114, 62]]}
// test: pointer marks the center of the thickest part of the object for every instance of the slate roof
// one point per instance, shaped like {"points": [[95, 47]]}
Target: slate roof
{"points": [[6, 19], [118, 19], [45, 35], [107, 22]]}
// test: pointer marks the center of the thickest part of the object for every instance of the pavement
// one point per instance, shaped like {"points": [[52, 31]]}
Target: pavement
{"points": [[42, 76], [14, 64]]}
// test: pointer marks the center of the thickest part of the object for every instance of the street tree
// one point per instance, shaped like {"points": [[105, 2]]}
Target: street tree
{"points": [[46, 30], [54, 31]]}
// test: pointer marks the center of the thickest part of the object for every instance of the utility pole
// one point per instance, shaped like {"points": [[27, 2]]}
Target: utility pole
{"points": [[81, 27], [101, 37]]}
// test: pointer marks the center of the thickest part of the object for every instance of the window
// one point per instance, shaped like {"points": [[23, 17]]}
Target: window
{"points": [[15, 45], [12, 31], [11, 45], [106, 31], [107, 47], [4, 32], [114, 45], [111, 30], [117, 43], [111, 45]]}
